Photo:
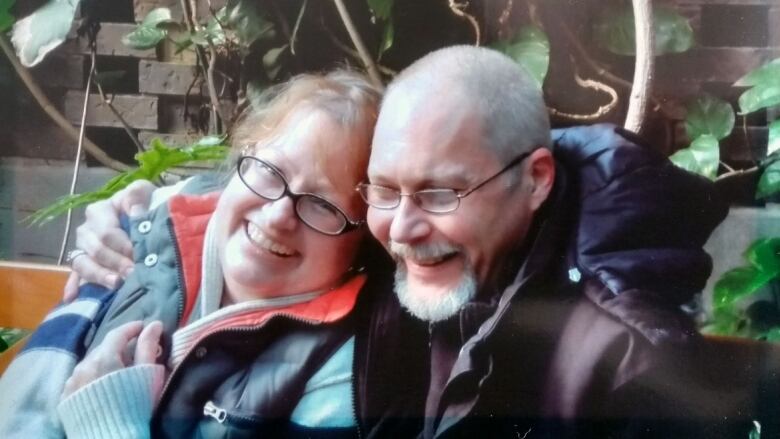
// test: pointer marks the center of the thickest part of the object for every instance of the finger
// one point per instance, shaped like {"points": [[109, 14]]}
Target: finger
{"points": [[117, 339], [146, 348], [71, 289], [135, 198], [89, 271], [112, 249]]}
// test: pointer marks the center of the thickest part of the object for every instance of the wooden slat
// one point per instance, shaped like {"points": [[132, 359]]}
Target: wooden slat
{"points": [[28, 292]]}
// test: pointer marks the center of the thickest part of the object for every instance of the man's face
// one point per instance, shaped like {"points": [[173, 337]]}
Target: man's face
{"points": [[444, 259]]}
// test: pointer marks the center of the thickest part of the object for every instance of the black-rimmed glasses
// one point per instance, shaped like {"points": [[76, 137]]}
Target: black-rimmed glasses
{"points": [[267, 181], [429, 200]]}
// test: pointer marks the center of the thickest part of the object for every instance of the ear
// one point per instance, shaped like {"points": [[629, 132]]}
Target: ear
{"points": [[540, 177]]}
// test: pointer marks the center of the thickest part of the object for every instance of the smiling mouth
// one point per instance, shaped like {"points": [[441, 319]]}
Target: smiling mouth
{"points": [[433, 261], [257, 237]]}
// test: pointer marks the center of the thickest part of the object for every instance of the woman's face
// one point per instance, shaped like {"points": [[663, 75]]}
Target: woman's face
{"points": [[265, 250]]}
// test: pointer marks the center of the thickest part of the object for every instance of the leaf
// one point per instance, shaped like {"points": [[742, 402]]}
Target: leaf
{"points": [[144, 37], [44, 30], [6, 19], [764, 254], [272, 62], [702, 157], [766, 73], [738, 283], [245, 17], [382, 9], [529, 48], [769, 183], [157, 16], [388, 35], [709, 115], [762, 95], [614, 31], [773, 144], [152, 162], [212, 140]]}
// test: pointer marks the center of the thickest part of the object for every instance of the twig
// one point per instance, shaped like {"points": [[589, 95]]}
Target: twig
{"points": [[297, 26], [603, 72], [77, 161], [353, 53], [213, 88], [725, 165], [643, 67], [51, 110], [368, 62], [601, 111], [282, 21], [734, 173], [109, 103], [459, 10], [190, 18]]}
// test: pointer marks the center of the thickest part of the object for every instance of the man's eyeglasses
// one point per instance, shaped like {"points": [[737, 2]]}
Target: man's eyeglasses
{"points": [[429, 200], [267, 181]]}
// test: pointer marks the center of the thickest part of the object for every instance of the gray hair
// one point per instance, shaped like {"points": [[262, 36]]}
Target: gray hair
{"points": [[510, 102]]}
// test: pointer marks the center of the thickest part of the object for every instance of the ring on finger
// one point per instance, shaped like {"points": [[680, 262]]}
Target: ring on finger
{"points": [[75, 253]]}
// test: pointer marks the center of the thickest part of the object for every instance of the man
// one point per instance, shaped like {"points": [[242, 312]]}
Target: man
{"points": [[550, 286]]}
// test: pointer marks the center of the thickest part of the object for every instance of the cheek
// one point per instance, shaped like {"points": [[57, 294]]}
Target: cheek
{"points": [[379, 224]]}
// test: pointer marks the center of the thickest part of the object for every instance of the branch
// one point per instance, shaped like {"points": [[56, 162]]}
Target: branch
{"points": [[51, 110], [643, 68], [601, 111], [368, 62], [190, 17], [351, 52], [297, 26], [459, 10], [113, 109]]}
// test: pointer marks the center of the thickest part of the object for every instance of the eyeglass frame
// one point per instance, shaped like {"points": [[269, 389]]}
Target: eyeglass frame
{"points": [[458, 194], [349, 224]]}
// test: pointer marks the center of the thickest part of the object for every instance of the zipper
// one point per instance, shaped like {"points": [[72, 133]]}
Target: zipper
{"points": [[354, 389], [215, 412], [179, 273]]}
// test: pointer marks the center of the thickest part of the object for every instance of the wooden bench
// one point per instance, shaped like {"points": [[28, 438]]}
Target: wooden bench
{"points": [[27, 293]]}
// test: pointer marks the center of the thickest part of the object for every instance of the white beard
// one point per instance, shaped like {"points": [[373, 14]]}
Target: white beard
{"points": [[431, 308]]}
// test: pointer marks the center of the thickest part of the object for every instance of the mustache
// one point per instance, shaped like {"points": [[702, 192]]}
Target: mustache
{"points": [[399, 251]]}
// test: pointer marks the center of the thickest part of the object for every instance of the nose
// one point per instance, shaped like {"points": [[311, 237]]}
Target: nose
{"points": [[280, 214], [409, 223]]}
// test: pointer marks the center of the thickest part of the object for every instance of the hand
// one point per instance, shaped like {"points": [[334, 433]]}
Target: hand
{"points": [[109, 252], [112, 354]]}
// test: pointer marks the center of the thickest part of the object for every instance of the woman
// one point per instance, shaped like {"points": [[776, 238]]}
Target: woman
{"points": [[259, 278]]}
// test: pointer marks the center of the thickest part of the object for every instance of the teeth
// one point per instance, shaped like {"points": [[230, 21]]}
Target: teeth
{"points": [[257, 237]]}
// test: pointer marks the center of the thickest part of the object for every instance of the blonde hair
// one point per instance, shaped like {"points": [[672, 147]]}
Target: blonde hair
{"points": [[345, 96]]}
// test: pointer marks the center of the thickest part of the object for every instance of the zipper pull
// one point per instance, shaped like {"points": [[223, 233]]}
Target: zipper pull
{"points": [[215, 412]]}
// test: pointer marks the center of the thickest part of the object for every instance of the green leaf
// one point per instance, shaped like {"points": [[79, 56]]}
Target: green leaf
{"points": [[769, 183], [272, 61], [702, 157], [614, 31], [773, 144], [764, 254], [768, 72], [772, 335], [245, 17], [388, 35], [709, 115], [157, 16], [44, 30], [755, 432], [144, 37], [738, 283], [382, 9], [6, 19], [762, 95], [529, 48], [152, 163]]}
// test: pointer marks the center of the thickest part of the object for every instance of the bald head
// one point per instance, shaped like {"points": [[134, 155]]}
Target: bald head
{"points": [[483, 82]]}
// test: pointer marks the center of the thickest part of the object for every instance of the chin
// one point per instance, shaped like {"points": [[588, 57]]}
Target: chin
{"points": [[438, 306]]}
